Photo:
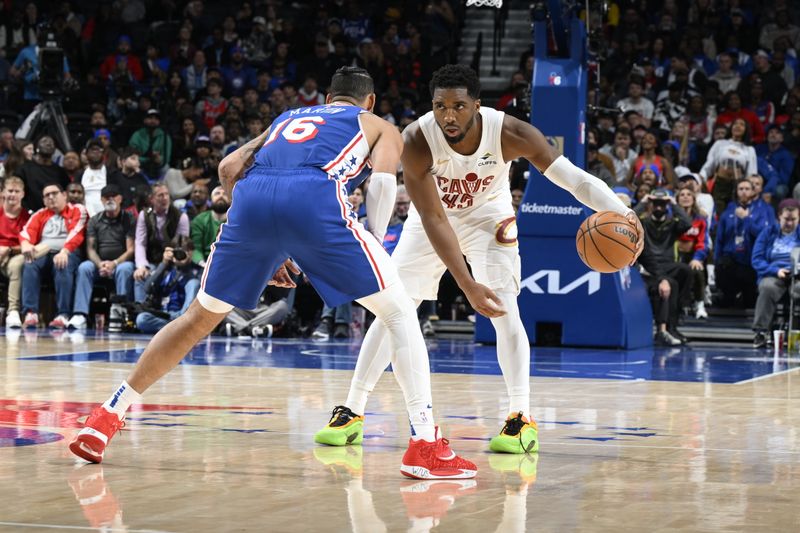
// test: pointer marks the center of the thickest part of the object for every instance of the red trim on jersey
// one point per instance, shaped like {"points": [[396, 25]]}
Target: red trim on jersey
{"points": [[356, 172], [344, 152], [277, 131], [355, 232]]}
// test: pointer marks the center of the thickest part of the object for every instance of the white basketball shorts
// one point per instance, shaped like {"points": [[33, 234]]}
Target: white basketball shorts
{"points": [[487, 236]]}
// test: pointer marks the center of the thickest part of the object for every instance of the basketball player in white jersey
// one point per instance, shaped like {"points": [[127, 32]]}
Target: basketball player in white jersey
{"points": [[455, 165]]}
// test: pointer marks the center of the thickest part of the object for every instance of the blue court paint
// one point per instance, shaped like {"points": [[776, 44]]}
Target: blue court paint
{"points": [[723, 363], [26, 437]]}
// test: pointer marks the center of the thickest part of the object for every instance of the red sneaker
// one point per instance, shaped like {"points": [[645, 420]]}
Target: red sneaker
{"points": [[435, 460], [92, 440]]}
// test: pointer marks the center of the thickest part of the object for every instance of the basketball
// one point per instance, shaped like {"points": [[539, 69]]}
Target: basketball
{"points": [[606, 242]]}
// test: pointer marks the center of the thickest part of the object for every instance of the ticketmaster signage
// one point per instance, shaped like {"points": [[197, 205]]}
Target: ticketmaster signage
{"points": [[551, 209], [558, 292]]}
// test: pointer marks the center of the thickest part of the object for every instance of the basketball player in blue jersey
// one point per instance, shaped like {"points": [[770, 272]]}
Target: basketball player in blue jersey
{"points": [[455, 163], [289, 199]]}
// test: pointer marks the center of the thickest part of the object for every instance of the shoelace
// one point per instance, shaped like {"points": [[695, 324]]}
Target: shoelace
{"points": [[442, 444], [340, 416], [514, 426]]}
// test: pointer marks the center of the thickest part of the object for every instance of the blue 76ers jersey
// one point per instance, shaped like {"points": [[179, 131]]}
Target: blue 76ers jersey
{"points": [[326, 137]]}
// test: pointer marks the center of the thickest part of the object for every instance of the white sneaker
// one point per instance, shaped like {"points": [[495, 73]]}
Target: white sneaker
{"points": [[13, 320], [77, 322], [266, 331], [700, 310]]}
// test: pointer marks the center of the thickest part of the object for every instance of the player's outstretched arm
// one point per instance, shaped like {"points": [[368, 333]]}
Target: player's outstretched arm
{"points": [[521, 139], [387, 145], [421, 188], [232, 167]]}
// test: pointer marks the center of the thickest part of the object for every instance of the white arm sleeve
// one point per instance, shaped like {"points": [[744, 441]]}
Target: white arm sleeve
{"points": [[589, 190], [381, 195]]}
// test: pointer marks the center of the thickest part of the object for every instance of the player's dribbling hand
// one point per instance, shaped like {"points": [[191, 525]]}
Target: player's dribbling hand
{"points": [[484, 300], [282, 278], [634, 220]]}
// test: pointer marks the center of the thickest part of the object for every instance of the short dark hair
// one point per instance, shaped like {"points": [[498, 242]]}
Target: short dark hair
{"points": [[94, 143], [354, 82], [456, 77], [126, 152]]}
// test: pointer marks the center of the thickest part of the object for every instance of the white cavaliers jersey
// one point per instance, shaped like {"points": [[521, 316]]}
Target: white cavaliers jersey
{"points": [[469, 181]]}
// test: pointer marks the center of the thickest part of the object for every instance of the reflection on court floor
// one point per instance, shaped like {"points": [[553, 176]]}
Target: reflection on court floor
{"points": [[701, 438]]}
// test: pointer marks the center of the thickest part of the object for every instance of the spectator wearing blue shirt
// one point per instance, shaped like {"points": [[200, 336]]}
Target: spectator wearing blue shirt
{"points": [[195, 75], [737, 230], [781, 160], [239, 75], [170, 288], [772, 262], [761, 208], [770, 175], [27, 66]]}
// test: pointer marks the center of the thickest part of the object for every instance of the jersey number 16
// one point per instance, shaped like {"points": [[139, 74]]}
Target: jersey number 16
{"points": [[297, 130]]}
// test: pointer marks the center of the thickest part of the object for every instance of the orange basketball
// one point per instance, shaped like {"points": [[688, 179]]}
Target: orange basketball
{"points": [[606, 242]]}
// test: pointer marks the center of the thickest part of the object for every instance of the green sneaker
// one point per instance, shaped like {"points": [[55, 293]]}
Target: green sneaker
{"points": [[345, 427], [517, 436]]}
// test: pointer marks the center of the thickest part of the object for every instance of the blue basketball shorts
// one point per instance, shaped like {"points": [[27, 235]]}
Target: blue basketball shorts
{"points": [[299, 214]]}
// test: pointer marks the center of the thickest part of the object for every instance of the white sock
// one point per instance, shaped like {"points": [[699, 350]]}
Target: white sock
{"points": [[421, 420], [357, 398], [122, 398], [514, 355]]}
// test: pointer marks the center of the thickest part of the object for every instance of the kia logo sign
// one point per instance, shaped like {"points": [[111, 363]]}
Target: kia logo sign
{"points": [[590, 279]]}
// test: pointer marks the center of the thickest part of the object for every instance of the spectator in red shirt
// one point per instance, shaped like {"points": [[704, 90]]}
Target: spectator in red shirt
{"points": [[123, 49], [12, 219], [734, 110], [50, 243]]}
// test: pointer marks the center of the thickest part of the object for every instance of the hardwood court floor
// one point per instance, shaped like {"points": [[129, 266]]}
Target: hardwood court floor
{"points": [[701, 439]]}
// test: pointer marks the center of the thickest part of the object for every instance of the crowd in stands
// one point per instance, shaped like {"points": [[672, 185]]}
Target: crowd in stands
{"points": [[694, 122], [697, 125], [154, 95]]}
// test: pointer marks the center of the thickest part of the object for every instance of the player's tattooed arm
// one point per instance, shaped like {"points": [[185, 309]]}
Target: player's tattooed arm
{"points": [[232, 167]]}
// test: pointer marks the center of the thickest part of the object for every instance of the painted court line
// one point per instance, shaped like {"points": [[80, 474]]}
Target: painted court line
{"points": [[80, 352], [617, 444], [81, 528], [765, 376]]}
